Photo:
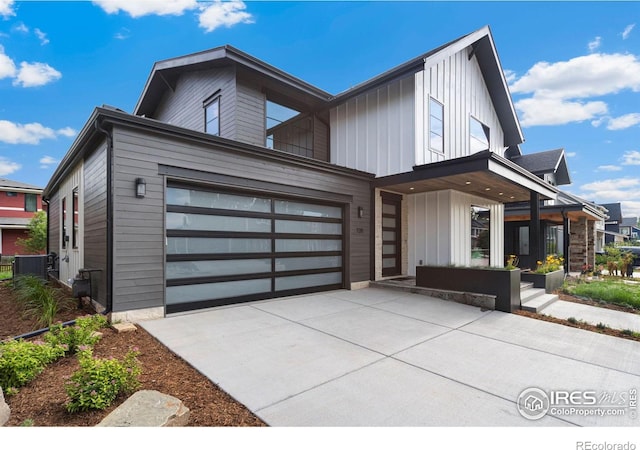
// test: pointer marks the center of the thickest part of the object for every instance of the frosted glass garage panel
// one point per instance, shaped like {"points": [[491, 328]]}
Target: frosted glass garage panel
{"points": [[190, 269], [307, 209], [304, 281], [203, 222], [213, 291], [198, 245], [295, 226], [308, 245], [202, 199], [305, 263]]}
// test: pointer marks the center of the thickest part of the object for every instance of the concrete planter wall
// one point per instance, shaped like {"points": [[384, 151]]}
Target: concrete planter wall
{"points": [[504, 284], [547, 281]]}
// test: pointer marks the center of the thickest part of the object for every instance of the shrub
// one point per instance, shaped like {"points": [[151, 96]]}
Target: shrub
{"points": [[572, 320], [98, 382], [21, 361], [74, 336], [38, 298], [601, 326]]}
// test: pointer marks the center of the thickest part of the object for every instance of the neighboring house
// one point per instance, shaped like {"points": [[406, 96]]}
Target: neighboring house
{"points": [[630, 228], [208, 194], [18, 203], [569, 224], [612, 233]]}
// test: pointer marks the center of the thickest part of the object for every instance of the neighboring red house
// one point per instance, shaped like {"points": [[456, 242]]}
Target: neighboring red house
{"points": [[18, 204]]}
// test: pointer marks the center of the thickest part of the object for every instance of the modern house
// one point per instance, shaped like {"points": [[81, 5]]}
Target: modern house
{"points": [[570, 225], [612, 234], [630, 228], [205, 195], [18, 203]]}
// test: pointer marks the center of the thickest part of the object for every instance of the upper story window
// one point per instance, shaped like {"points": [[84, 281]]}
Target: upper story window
{"points": [[12, 194], [478, 134], [436, 125], [74, 236], [30, 202], [212, 116]]}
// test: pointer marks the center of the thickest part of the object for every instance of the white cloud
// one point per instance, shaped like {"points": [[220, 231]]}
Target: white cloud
{"points": [[623, 122], [21, 27], [552, 111], [609, 168], [7, 66], [561, 90], [631, 158], [224, 14], [67, 132], [6, 8], [139, 8], [510, 75], [42, 36], [570, 154], [123, 34], [7, 167], [595, 44], [612, 184], [630, 208], [627, 31], [30, 133], [36, 74], [47, 161]]}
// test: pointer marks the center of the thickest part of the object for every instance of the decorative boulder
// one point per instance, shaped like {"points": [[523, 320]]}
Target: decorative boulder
{"points": [[148, 409], [4, 410]]}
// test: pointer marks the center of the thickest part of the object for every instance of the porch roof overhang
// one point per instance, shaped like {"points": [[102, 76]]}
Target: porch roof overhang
{"points": [[484, 174], [552, 213]]}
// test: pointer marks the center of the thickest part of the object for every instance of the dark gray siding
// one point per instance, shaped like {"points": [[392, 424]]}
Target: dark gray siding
{"points": [[250, 114], [139, 235], [95, 219], [320, 140], [184, 106], [53, 216]]}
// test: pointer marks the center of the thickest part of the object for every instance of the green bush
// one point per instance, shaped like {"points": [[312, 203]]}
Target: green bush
{"points": [[98, 382], [72, 337], [38, 298], [21, 361]]}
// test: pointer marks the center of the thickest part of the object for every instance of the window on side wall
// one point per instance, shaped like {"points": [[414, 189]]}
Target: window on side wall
{"points": [[74, 236], [479, 135], [436, 125], [30, 202], [63, 219], [212, 116]]}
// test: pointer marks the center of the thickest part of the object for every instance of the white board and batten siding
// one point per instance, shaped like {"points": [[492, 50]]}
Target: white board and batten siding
{"points": [[457, 83], [440, 229], [69, 267], [374, 132]]}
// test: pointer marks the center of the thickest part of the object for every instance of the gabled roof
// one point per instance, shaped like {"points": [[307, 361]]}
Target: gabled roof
{"points": [[630, 222], [164, 75], [6, 184], [550, 161], [615, 211]]}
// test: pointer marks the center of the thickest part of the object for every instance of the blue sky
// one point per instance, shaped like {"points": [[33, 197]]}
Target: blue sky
{"points": [[573, 67]]}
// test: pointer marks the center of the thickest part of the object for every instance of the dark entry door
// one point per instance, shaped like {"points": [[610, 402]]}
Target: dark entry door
{"points": [[391, 229]]}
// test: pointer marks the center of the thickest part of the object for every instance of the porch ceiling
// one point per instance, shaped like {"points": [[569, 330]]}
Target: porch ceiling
{"points": [[484, 174], [550, 216]]}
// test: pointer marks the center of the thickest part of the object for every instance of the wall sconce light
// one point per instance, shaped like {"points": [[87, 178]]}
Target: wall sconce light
{"points": [[360, 212], [141, 188]]}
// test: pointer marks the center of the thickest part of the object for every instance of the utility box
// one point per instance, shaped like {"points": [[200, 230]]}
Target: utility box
{"points": [[35, 265]]}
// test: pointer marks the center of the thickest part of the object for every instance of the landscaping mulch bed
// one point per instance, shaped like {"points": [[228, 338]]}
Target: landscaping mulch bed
{"points": [[41, 402]]}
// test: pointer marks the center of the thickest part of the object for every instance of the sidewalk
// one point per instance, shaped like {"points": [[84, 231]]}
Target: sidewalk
{"points": [[594, 315]]}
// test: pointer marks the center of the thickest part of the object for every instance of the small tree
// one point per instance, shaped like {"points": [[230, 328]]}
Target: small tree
{"points": [[37, 230]]}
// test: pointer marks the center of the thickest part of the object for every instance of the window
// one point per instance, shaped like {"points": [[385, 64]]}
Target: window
{"points": [[523, 240], [30, 202], [74, 236], [479, 135], [12, 194], [63, 225], [212, 117], [480, 236], [436, 125]]}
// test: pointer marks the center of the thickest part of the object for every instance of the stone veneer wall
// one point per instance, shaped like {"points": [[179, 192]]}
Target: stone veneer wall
{"points": [[582, 244]]}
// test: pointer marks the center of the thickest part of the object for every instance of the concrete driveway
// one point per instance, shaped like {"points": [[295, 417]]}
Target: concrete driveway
{"points": [[378, 357]]}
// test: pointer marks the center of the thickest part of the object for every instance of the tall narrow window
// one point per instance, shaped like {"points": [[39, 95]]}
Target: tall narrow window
{"points": [[30, 202], [479, 135], [436, 125], [212, 117], [74, 236], [63, 225], [480, 236]]}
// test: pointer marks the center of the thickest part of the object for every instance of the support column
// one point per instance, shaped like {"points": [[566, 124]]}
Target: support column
{"points": [[534, 229], [566, 231], [578, 246]]}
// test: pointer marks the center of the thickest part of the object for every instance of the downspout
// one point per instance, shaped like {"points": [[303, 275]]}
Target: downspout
{"points": [[48, 209], [565, 240], [109, 287]]}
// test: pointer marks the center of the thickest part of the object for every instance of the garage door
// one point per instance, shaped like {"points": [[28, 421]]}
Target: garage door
{"points": [[228, 247]]}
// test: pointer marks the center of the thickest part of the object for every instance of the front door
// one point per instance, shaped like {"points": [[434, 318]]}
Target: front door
{"points": [[391, 229]]}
